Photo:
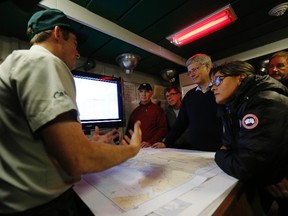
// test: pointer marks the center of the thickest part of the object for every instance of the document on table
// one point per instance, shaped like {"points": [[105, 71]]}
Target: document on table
{"points": [[156, 182]]}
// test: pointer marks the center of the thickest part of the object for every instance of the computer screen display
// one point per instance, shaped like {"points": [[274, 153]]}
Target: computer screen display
{"points": [[99, 100]]}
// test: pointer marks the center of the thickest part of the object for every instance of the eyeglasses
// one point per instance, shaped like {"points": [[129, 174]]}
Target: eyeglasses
{"points": [[193, 70], [171, 94], [218, 80]]}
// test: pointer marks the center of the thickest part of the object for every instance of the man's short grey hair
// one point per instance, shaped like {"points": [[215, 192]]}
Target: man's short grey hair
{"points": [[199, 58]]}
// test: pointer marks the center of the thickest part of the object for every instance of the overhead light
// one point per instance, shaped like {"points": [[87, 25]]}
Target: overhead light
{"points": [[168, 75], [128, 61], [212, 23], [89, 64], [279, 10]]}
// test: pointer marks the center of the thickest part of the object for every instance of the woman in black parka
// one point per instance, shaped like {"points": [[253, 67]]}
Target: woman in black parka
{"points": [[255, 119]]}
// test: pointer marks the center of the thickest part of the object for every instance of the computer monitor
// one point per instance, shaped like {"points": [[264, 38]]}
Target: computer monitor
{"points": [[99, 100]]}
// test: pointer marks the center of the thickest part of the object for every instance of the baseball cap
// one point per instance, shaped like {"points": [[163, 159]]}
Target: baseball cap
{"points": [[47, 19], [145, 86]]}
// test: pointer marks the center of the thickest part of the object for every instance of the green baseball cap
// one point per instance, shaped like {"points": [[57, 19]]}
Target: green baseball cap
{"points": [[47, 19]]}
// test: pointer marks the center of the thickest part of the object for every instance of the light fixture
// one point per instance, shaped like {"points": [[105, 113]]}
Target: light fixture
{"points": [[168, 75], [89, 64], [279, 10], [205, 26], [128, 61]]}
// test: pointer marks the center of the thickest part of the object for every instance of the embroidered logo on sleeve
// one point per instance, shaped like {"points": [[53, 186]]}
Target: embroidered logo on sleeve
{"points": [[250, 121], [59, 94]]}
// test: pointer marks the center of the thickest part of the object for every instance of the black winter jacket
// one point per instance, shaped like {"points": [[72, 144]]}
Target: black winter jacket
{"points": [[256, 132]]}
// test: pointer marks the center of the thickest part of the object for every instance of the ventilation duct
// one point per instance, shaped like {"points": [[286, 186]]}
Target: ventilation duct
{"points": [[128, 62]]}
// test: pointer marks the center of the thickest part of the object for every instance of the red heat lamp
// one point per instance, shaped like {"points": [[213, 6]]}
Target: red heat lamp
{"points": [[212, 23]]}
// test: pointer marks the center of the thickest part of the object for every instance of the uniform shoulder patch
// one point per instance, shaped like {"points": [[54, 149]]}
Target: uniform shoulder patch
{"points": [[250, 121]]}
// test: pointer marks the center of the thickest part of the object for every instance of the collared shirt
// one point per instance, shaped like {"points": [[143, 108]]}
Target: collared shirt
{"points": [[198, 88]]}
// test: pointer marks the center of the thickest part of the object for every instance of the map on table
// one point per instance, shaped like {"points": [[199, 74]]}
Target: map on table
{"points": [[149, 175]]}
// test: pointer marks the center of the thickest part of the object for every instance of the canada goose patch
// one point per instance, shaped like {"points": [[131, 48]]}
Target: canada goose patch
{"points": [[250, 121]]}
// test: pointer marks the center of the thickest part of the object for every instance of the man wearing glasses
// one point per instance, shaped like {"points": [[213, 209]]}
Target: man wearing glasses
{"points": [[198, 111], [173, 98]]}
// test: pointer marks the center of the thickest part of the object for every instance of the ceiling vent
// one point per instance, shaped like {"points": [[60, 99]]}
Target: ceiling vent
{"points": [[279, 10], [128, 62]]}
